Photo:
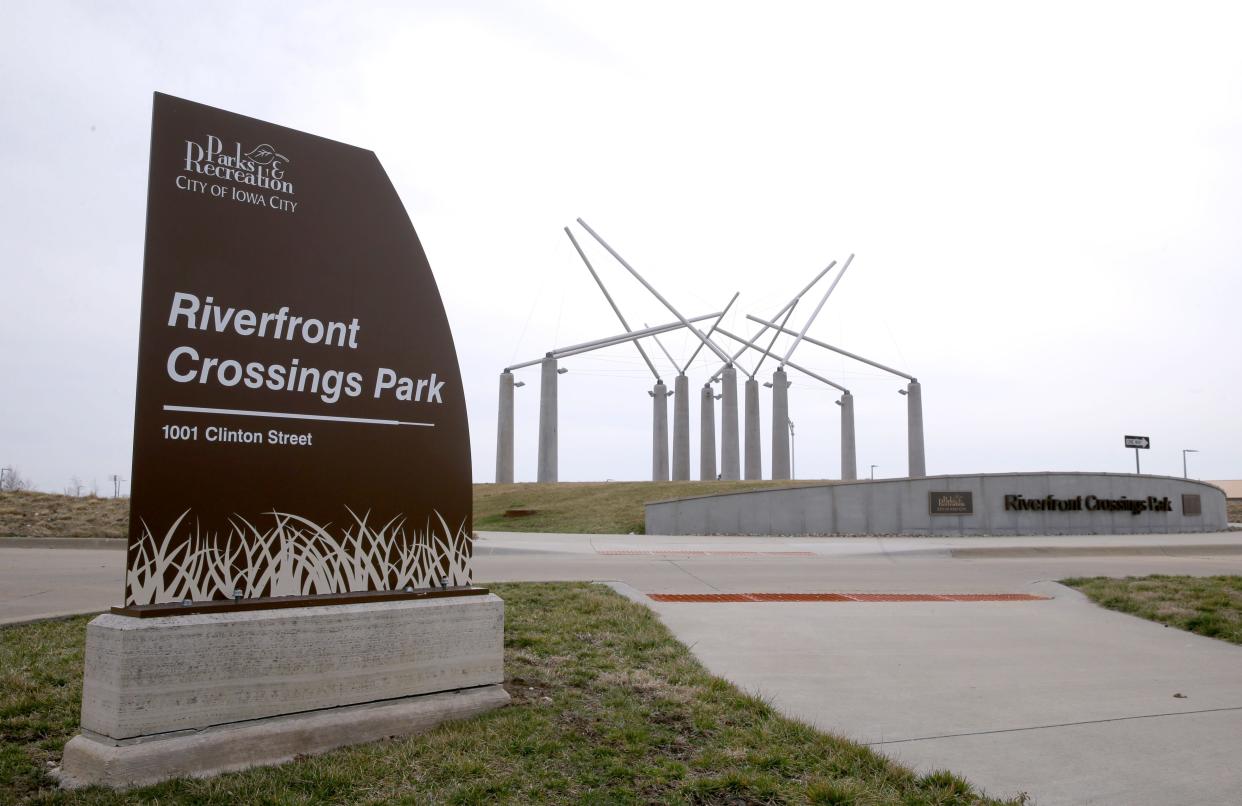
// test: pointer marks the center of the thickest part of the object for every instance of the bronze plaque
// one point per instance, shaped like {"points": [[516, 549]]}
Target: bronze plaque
{"points": [[300, 427], [950, 503], [1191, 504]]}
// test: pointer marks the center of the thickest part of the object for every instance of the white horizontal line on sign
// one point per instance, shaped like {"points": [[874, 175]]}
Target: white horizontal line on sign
{"points": [[291, 416]]}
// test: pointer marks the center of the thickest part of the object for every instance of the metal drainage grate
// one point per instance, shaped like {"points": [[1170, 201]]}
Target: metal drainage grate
{"points": [[691, 553], [845, 597]]}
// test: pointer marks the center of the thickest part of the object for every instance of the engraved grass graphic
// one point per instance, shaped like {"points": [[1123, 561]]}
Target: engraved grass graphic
{"points": [[295, 557]]}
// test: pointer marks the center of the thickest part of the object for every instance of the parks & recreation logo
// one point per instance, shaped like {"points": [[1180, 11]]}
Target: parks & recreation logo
{"points": [[256, 176]]}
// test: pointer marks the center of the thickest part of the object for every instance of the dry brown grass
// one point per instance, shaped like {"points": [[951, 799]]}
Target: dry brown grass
{"points": [[1235, 510], [27, 514], [595, 507], [591, 507]]}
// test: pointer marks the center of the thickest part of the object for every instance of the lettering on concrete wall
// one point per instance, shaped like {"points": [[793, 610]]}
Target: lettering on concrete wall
{"points": [[948, 503], [1089, 503]]}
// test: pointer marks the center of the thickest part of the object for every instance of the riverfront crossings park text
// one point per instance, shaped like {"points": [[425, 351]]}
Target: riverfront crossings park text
{"points": [[187, 365], [1090, 503], [259, 171]]}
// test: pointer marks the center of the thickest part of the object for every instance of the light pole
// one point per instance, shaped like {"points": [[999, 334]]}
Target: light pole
{"points": [[793, 451], [1185, 451], [873, 467]]}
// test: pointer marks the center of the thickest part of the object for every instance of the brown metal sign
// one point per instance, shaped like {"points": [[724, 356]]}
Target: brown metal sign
{"points": [[300, 426], [950, 503]]}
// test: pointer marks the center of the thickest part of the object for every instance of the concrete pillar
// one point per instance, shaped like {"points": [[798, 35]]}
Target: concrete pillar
{"points": [[504, 430], [914, 403], [849, 462], [659, 432], [681, 428], [707, 434], [754, 446], [547, 422], [780, 424], [730, 466]]}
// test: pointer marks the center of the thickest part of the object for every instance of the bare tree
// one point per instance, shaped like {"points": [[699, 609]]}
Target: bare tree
{"points": [[11, 480], [75, 487]]}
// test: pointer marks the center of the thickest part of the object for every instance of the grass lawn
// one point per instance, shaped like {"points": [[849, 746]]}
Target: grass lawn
{"points": [[1210, 606], [614, 507], [591, 507], [608, 708]]}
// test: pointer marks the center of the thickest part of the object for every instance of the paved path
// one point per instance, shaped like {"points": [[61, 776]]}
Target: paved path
{"points": [[1059, 698], [1064, 700], [42, 583]]}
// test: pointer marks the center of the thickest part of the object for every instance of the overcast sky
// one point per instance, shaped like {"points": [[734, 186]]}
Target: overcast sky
{"points": [[1044, 201]]}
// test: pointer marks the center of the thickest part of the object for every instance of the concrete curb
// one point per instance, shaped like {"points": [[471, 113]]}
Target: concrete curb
{"points": [[49, 617], [63, 543], [1208, 550], [628, 591]]}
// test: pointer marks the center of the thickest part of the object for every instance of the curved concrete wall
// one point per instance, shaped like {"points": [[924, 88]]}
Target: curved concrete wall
{"points": [[1038, 504]]}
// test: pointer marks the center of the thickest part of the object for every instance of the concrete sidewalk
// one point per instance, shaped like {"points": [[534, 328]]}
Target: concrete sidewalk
{"points": [[1066, 701]]}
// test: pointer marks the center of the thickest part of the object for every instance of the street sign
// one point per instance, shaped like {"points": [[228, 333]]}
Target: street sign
{"points": [[1138, 442]]}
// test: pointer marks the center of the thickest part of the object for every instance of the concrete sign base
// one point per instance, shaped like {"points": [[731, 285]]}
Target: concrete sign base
{"points": [[201, 694], [980, 504], [95, 760]]}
